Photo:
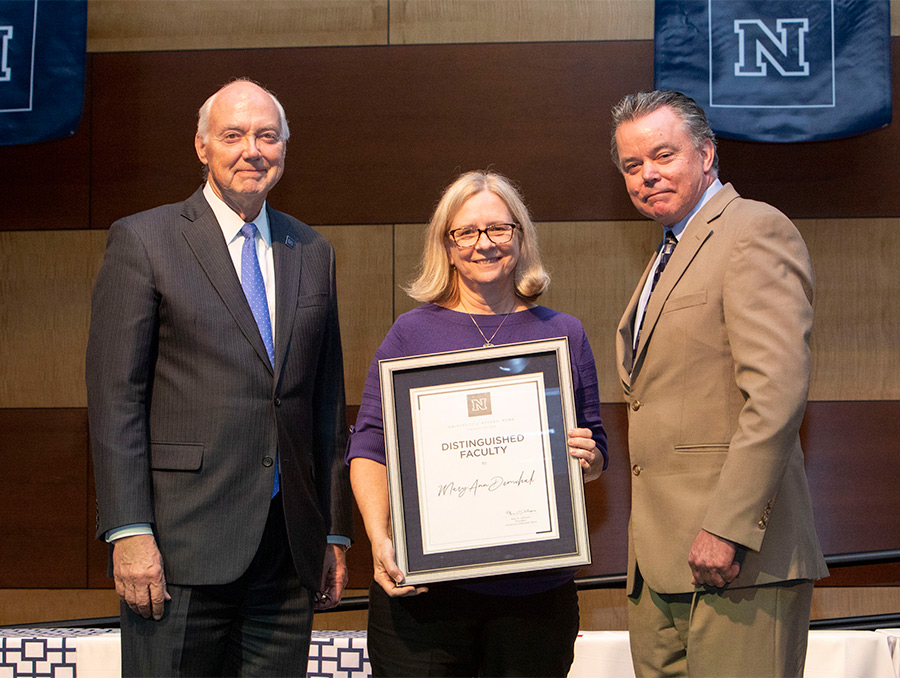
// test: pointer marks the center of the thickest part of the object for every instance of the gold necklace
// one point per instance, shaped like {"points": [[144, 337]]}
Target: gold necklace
{"points": [[487, 342]]}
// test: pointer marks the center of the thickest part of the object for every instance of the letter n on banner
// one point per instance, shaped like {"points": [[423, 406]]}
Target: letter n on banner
{"points": [[779, 70], [42, 60]]}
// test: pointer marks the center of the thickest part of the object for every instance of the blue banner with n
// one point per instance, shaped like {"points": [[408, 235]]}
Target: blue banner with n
{"points": [[779, 70], [42, 62]]}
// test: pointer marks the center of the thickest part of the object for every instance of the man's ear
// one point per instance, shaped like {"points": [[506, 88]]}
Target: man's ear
{"points": [[708, 151], [200, 147]]}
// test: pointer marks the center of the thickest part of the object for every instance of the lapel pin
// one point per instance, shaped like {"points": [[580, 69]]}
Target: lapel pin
{"points": [[289, 241]]}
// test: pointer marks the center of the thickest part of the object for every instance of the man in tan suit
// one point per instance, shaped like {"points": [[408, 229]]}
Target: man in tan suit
{"points": [[715, 367]]}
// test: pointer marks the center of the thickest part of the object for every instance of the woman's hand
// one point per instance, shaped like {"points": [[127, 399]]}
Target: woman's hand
{"points": [[583, 448], [387, 574]]}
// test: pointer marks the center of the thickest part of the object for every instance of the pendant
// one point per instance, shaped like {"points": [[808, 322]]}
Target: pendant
{"points": [[486, 344]]}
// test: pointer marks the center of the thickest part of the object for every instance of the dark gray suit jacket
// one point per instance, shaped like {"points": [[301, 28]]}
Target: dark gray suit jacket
{"points": [[186, 414]]}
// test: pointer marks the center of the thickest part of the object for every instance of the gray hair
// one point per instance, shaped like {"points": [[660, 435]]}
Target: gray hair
{"points": [[635, 106], [203, 113]]}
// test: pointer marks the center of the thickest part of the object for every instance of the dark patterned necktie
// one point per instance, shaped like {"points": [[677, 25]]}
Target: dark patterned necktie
{"points": [[668, 247]]}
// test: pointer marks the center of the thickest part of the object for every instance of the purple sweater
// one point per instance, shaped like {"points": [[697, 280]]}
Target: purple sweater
{"points": [[434, 329]]}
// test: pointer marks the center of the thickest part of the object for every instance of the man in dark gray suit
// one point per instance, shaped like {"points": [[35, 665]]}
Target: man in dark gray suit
{"points": [[216, 405]]}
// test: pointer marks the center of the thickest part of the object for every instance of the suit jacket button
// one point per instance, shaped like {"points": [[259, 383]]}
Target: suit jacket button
{"points": [[636, 469], [268, 461], [636, 405], [277, 402]]}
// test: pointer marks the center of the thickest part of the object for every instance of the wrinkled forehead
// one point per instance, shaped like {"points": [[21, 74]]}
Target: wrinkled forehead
{"points": [[243, 104]]}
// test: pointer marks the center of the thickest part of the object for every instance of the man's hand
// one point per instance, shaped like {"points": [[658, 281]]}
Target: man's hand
{"points": [[712, 561], [334, 578], [139, 577]]}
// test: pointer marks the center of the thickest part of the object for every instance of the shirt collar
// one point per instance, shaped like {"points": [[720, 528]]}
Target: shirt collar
{"points": [[678, 228], [229, 220]]}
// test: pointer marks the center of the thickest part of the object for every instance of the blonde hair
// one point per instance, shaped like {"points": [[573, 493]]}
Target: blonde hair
{"points": [[436, 281]]}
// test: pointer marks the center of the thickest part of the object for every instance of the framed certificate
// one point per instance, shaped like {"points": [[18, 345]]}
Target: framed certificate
{"points": [[479, 475]]}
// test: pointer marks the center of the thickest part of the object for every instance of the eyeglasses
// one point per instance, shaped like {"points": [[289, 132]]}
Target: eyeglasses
{"points": [[468, 236]]}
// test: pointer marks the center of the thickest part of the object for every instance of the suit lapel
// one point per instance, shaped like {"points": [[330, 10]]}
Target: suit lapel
{"points": [[625, 359], [204, 236], [287, 252], [697, 232]]}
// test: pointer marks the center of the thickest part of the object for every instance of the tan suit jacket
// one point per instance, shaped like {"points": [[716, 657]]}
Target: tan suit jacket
{"points": [[716, 391]]}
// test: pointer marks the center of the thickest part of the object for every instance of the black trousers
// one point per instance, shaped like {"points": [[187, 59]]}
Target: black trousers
{"points": [[450, 631], [259, 625]]}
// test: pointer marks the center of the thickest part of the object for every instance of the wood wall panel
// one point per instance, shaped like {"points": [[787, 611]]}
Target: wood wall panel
{"points": [[364, 278], [43, 498], [47, 185], [595, 265], [600, 609], [45, 286], [857, 324], [409, 241], [151, 25], [48, 519], [377, 131], [30, 606], [853, 463], [46, 278], [595, 268], [876, 574], [461, 21], [608, 499]]}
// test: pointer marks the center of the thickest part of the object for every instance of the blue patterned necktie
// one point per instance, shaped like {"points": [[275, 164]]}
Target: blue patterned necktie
{"points": [[668, 248], [255, 290]]}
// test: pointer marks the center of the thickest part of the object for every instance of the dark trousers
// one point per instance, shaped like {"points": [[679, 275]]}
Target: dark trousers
{"points": [[259, 625], [450, 631]]}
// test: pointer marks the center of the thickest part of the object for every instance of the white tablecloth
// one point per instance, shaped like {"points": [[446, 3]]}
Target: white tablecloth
{"points": [[848, 654], [99, 657], [602, 653], [332, 654], [830, 654]]}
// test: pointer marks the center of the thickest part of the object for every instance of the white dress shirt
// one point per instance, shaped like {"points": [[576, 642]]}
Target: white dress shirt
{"points": [[677, 230]]}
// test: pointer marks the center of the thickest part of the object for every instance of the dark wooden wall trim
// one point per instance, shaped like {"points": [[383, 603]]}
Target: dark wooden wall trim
{"points": [[43, 498], [853, 464], [378, 131], [47, 504]]}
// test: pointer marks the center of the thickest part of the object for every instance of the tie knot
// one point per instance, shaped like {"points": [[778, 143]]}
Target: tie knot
{"points": [[670, 242], [248, 231]]}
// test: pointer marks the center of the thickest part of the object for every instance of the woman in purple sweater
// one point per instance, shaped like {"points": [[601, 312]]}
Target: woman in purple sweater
{"points": [[480, 276]]}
